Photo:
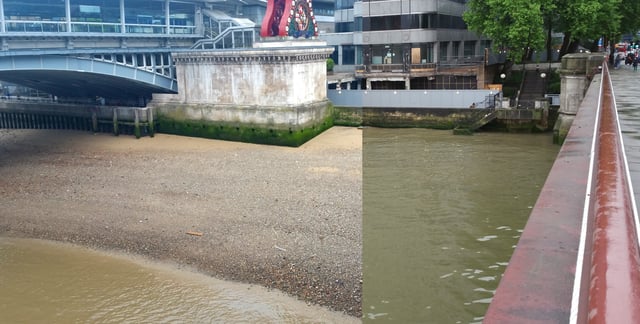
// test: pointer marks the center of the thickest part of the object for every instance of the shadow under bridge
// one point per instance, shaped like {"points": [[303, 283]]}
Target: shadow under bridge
{"points": [[115, 77]]}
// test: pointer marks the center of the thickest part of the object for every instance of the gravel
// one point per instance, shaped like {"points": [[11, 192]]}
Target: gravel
{"points": [[285, 218]]}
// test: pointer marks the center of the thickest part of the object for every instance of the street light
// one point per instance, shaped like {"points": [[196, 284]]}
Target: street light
{"points": [[502, 77], [544, 81]]}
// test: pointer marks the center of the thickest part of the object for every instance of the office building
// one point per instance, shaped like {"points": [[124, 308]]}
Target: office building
{"points": [[408, 44]]}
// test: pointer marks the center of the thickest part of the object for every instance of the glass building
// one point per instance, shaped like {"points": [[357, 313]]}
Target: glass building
{"points": [[98, 16]]}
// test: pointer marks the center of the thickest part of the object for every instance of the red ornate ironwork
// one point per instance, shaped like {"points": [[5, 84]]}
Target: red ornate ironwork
{"points": [[293, 18]]}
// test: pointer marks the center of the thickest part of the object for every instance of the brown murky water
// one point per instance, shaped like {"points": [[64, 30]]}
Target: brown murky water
{"points": [[441, 216], [46, 282]]}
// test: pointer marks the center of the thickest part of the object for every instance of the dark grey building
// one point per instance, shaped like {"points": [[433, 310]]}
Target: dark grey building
{"points": [[407, 44]]}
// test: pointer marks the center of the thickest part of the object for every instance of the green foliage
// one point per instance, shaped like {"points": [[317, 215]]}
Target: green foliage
{"points": [[518, 24], [511, 83], [330, 64], [554, 83], [514, 24], [630, 11], [588, 19]]}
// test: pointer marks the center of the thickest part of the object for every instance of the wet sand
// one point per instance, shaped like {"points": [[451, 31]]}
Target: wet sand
{"points": [[284, 218]]}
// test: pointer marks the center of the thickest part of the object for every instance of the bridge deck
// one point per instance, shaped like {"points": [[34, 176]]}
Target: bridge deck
{"points": [[553, 276]]}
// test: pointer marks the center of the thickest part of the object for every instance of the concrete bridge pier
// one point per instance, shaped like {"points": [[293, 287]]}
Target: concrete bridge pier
{"points": [[576, 72], [274, 93]]}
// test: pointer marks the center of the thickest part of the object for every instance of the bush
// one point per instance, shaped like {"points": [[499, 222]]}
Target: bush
{"points": [[330, 64], [554, 83]]}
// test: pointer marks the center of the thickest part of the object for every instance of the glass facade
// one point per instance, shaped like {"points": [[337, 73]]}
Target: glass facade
{"points": [[344, 4], [34, 16], [99, 16], [414, 21], [409, 54]]}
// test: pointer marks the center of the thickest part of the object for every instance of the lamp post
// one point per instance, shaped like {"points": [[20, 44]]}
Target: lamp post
{"points": [[544, 79], [502, 77]]}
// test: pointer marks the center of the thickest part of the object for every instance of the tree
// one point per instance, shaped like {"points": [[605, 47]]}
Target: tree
{"points": [[505, 21], [585, 21], [629, 11], [513, 24]]}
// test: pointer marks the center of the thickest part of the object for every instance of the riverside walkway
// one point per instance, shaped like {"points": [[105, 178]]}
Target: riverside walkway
{"points": [[578, 259]]}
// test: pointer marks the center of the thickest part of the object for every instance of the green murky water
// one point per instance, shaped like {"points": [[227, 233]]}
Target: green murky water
{"points": [[441, 216]]}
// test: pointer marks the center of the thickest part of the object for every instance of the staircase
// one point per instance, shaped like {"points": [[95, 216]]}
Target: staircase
{"points": [[489, 117], [533, 89], [223, 31]]}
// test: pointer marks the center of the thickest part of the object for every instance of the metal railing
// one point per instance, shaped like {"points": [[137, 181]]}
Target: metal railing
{"points": [[232, 37], [407, 68], [578, 258], [613, 275], [432, 98], [43, 26]]}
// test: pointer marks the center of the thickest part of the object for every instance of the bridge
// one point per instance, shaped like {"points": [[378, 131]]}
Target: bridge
{"points": [[119, 52], [184, 60], [578, 258]]}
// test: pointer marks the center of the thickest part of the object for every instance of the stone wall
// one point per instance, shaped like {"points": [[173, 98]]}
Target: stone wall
{"points": [[262, 77]]}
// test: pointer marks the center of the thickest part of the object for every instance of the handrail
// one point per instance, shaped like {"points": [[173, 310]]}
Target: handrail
{"points": [[578, 258], [208, 43], [48, 26], [614, 294]]}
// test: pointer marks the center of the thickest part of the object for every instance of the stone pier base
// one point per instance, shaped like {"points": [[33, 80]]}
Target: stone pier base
{"points": [[275, 93], [575, 74], [261, 125]]}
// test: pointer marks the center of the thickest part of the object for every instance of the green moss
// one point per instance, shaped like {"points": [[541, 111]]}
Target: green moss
{"points": [[559, 137], [347, 116], [259, 134], [462, 131]]}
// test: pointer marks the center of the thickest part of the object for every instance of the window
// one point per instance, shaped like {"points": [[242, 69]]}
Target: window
{"points": [[455, 50], [344, 27], [469, 48], [382, 23], [334, 55], [422, 53], [344, 4], [444, 47], [348, 55]]}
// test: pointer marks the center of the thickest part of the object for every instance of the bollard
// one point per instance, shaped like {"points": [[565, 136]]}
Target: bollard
{"points": [[136, 123], [94, 121], [115, 121], [150, 121]]}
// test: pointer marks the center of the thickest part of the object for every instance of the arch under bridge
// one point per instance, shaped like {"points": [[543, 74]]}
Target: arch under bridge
{"points": [[113, 75]]}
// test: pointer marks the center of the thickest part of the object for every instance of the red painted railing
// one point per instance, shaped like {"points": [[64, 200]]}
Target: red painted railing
{"points": [[578, 259], [614, 290]]}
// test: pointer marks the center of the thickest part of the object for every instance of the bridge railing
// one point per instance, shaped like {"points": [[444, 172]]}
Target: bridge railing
{"points": [[39, 26], [232, 37], [157, 63], [612, 270], [578, 259], [43, 26]]}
